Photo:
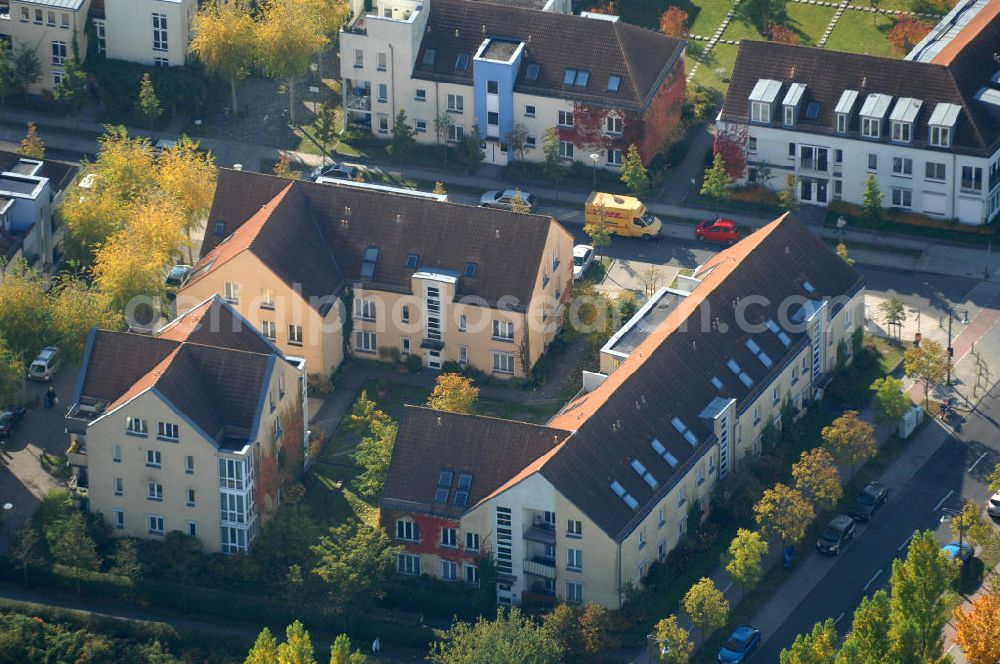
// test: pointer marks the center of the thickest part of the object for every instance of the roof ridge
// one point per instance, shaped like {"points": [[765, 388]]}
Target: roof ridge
{"points": [[448, 413], [147, 380]]}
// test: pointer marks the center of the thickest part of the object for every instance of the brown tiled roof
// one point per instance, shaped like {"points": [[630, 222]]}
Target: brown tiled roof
{"points": [[555, 41], [490, 449], [115, 362], [828, 73], [215, 323], [507, 248]]}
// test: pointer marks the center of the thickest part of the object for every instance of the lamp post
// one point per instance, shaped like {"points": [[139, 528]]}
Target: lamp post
{"points": [[951, 351], [656, 648], [593, 159], [948, 515]]}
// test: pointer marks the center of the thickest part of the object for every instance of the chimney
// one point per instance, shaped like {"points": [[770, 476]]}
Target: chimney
{"points": [[237, 167]]}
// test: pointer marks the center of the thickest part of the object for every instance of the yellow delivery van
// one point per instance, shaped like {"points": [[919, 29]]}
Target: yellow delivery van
{"points": [[623, 215]]}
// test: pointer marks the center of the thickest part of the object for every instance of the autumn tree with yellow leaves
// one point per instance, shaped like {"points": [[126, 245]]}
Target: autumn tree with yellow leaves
{"points": [[977, 630], [817, 477], [186, 176], [850, 439], [286, 36], [224, 40]]}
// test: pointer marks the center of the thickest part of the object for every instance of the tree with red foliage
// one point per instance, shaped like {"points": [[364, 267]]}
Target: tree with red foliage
{"points": [[782, 34], [292, 442], [905, 34], [673, 22], [268, 481], [731, 144]]}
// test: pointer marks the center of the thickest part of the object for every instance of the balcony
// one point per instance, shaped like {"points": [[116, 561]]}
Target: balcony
{"points": [[83, 413], [815, 165], [543, 533], [359, 99], [76, 455], [543, 567]]}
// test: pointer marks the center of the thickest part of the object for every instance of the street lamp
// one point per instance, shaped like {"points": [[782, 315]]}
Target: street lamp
{"points": [[951, 351], [593, 158], [656, 648], [948, 515]]}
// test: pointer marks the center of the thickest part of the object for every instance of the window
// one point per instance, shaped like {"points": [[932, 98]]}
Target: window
{"points": [[231, 474], [119, 486], [503, 329], [492, 87], [154, 491], [472, 541], [449, 537], [901, 132], [189, 465], [192, 528], [430, 55], [902, 198], [295, 335], [364, 308], [614, 125], [58, 53], [565, 150], [383, 92], [64, 21], [756, 415], [775, 396], [503, 363], [760, 111], [119, 519], [682, 496], [449, 570], [57, 78], [461, 62], [789, 115], [934, 171], [472, 575], [405, 344], [38, 16], [190, 500], [406, 530], [420, 126], [492, 118], [380, 62], [136, 426], [872, 161], [408, 564], [871, 127], [232, 292], [233, 539], [642, 539], [813, 158], [166, 430], [365, 342], [940, 137], [456, 103], [269, 329], [25, 15], [972, 178], [463, 355], [791, 150], [159, 32], [614, 157], [155, 524], [574, 529], [383, 124], [266, 299], [50, 18], [577, 77], [529, 143], [614, 82], [574, 592], [102, 39], [529, 111], [841, 123], [456, 133], [565, 119], [420, 95], [463, 322], [902, 166], [232, 508], [161, 62], [117, 453], [574, 559], [359, 58]]}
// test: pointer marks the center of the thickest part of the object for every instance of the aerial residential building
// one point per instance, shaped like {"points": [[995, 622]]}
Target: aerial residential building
{"points": [[400, 275], [153, 32], [167, 427], [49, 28], [578, 509], [927, 127], [453, 65]]}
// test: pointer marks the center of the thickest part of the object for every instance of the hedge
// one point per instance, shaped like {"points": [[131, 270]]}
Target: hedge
{"points": [[855, 213], [118, 81]]}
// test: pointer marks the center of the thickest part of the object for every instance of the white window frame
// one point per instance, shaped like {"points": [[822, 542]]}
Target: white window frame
{"points": [[902, 167], [119, 485], [614, 125], [902, 198], [365, 309], [167, 430], [529, 111], [565, 119], [574, 559], [295, 335], [566, 150], [189, 465], [902, 132], [789, 117], [472, 541], [574, 592], [407, 530], [119, 518], [160, 42], [269, 329], [936, 166], [381, 62], [841, 123], [455, 104], [449, 538], [408, 564], [449, 570], [365, 342], [231, 292], [760, 111], [58, 53], [940, 137], [154, 520], [574, 528], [503, 363], [154, 491], [614, 157], [456, 133], [871, 127], [503, 330], [154, 459]]}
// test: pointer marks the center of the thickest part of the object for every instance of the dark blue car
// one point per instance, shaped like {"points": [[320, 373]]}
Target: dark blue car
{"points": [[740, 645]]}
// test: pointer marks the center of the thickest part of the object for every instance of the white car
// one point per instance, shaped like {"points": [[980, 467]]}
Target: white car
{"points": [[583, 256], [335, 171], [993, 505]]}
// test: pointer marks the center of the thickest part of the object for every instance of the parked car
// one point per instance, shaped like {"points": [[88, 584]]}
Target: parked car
{"points": [[583, 256], [505, 199], [723, 231], [872, 497], [335, 171], [965, 553], [162, 145], [993, 505], [740, 645], [178, 275], [835, 536], [9, 418], [46, 365]]}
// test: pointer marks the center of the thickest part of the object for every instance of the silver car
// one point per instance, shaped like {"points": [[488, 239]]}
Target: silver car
{"points": [[993, 505], [505, 199], [46, 365], [335, 171]]}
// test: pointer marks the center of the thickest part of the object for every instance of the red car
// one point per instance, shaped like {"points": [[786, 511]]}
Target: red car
{"points": [[723, 231]]}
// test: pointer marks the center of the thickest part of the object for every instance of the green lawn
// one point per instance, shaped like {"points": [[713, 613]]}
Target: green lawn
{"points": [[861, 32], [902, 5], [807, 21], [704, 16], [722, 56]]}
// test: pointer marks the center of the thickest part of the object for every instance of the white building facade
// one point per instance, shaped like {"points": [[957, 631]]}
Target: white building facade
{"points": [[153, 32]]}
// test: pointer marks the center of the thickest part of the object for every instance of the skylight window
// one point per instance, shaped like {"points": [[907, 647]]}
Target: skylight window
{"points": [[220, 228], [614, 81], [412, 260], [430, 55], [734, 366], [470, 270], [461, 62], [443, 486], [624, 495], [662, 451], [462, 493], [577, 77], [644, 474], [761, 355], [746, 379], [684, 431], [569, 76], [808, 286], [812, 110], [716, 383], [531, 73], [778, 332], [368, 264]]}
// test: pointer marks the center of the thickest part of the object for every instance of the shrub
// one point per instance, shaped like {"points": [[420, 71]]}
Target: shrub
{"points": [[413, 363], [389, 354], [319, 385], [117, 81]]}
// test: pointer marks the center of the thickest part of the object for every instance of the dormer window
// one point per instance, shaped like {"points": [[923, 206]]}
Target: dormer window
{"points": [[903, 116], [841, 123], [789, 115], [873, 111], [760, 112], [871, 127], [901, 132], [845, 105], [941, 125], [791, 102], [762, 98], [941, 137]]}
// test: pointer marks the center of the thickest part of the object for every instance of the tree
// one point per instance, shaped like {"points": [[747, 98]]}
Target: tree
{"points": [[634, 174], [788, 198], [745, 554], [470, 152], [298, 647], [25, 321], [906, 33], [871, 200], [673, 642], [76, 308], [264, 650], [72, 89], [356, 561], [816, 476], [783, 512], [224, 41], [149, 104], [374, 453], [650, 277], [326, 127], [453, 393], [843, 255], [340, 652], [599, 234], [73, 547], [891, 402], [593, 631], [716, 181], [559, 625], [673, 22], [893, 314], [511, 638], [7, 83], [32, 146], [761, 13], [973, 528], [124, 165], [442, 124], [869, 641], [927, 363], [283, 168], [517, 142], [402, 144], [286, 35], [187, 176], [850, 439], [518, 204], [918, 608], [25, 550], [90, 219], [126, 559], [707, 607], [993, 479], [552, 166], [439, 188], [782, 34], [27, 67], [11, 374], [977, 631], [820, 647]]}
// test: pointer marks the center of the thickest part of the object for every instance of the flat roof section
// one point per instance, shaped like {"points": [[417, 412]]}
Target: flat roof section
{"points": [[642, 324]]}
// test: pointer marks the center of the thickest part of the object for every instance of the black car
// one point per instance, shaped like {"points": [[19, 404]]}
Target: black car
{"points": [[837, 533], [872, 497], [9, 417]]}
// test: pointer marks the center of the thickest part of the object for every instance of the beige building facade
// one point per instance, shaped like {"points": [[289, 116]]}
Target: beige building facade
{"points": [[49, 28]]}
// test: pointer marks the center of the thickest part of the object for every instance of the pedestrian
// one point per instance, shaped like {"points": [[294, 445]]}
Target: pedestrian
{"points": [[376, 646], [50, 397]]}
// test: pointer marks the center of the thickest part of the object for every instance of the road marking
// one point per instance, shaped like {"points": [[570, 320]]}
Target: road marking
{"points": [[839, 618], [951, 648], [941, 502], [904, 544], [872, 580], [727, 588], [973, 466]]}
